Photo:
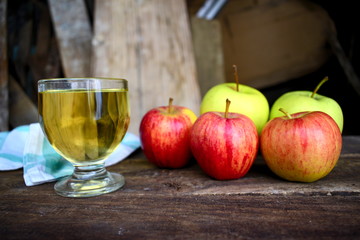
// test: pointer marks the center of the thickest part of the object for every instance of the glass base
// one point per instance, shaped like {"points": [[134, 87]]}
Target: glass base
{"points": [[89, 184]]}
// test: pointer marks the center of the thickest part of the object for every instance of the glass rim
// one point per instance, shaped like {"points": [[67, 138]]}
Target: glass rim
{"points": [[80, 79]]}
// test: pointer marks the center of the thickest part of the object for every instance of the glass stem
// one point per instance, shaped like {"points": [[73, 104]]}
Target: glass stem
{"points": [[89, 172]]}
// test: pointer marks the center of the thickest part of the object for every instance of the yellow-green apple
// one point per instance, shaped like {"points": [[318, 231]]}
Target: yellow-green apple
{"points": [[300, 101], [165, 135], [224, 144], [301, 147], [245, 100]]}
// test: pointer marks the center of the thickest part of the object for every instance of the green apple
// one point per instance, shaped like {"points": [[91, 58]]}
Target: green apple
{"points": [[245, 100], [300, 101]]}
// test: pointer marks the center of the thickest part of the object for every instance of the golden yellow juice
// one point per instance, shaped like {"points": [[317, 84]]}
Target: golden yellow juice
{"points": [[84, 125]]}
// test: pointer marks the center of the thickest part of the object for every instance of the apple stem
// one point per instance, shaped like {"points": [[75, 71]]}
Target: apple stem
{"points": [[319, 85], [170, 105], [236, 77], [227, 107], [285, 112]]}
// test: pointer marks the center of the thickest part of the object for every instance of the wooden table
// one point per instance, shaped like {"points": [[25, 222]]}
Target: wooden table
{"points": [[187, 204]]}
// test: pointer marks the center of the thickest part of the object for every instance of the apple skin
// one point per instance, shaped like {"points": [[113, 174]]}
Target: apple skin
{"points": [[248, 101], [304, 148], [225, 148], [301, 101], [165, 137]]}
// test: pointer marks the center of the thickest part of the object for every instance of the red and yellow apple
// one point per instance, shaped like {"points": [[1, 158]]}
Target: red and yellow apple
{"points": [[224, 144], [301, 147], [165, 135]]}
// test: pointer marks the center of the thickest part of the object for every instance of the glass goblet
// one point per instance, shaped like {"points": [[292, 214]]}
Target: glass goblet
{"points": [[84, 120]]}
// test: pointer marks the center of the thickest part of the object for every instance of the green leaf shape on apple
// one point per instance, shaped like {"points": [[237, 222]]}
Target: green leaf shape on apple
{"points": [[245, 100], [300, 101]]}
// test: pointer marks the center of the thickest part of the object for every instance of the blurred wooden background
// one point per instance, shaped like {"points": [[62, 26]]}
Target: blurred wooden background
{"points": [[164, 50]]}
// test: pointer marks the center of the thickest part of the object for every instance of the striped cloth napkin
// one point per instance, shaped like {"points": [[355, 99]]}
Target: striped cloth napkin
{"points": [[26, 147]]}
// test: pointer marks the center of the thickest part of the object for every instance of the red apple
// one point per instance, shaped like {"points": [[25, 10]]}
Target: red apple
{"points": [[301, 147], [224, 144], [164, 135]]}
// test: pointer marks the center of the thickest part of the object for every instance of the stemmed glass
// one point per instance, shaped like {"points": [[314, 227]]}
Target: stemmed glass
{"points": [[84, 120]]}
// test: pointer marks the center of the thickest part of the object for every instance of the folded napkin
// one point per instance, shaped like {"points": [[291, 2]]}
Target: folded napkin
{"points": [[26, 147]]}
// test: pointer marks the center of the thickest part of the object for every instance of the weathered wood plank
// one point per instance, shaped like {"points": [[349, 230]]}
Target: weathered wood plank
{"points": [[24, 48], [184, 217], [4, 94], [74, 36], [343, 180], [21, 108], [186, 204], [208, 53], [272, 41], [45, 62], [149, 44]]}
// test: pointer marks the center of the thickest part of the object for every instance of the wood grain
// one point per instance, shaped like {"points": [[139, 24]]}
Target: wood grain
{"points": [[273, 41], [149, 44], [21, 108], [45, 62], [4, 94], [74, 35], [208, 53], [186, 204]]}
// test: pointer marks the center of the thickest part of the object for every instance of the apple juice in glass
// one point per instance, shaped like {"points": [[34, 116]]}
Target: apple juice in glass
{"points": [[84, 120]]}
